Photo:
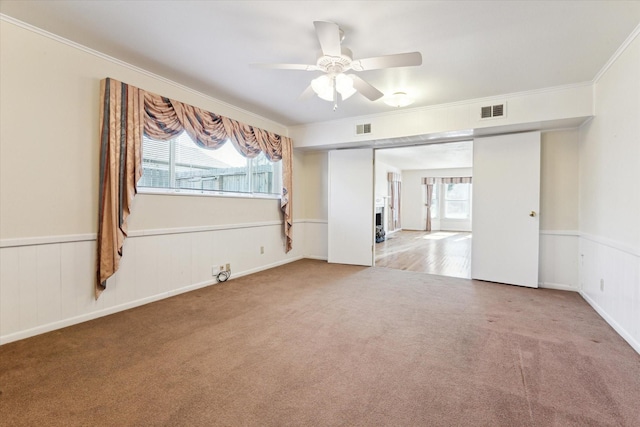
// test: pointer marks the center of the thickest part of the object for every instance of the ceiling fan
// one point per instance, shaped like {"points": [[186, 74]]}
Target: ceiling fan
{"points": [[335, 60]]}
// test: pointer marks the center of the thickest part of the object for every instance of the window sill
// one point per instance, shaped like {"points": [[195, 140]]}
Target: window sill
{"points": [[205, 193]]}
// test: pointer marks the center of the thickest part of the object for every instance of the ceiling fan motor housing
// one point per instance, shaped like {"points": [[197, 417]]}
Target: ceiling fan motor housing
{"points": [[335, 64]]}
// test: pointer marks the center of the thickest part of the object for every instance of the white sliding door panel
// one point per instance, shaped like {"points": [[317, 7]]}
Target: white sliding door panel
{"points": [[506, 200], [350, 224]]}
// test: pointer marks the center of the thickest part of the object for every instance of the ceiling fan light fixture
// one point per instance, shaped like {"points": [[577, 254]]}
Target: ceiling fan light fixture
{"points": [[344, 86], [323, 86], [399, 99]]}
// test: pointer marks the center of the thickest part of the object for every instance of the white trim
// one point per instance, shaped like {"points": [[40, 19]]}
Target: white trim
{"points": [[126, 306], [617, 54], [574, 233], [611, 243], [319, 258], [619, 329], [46, 240], [116, 61], [311, 221], [202, 228], [162, 191], [89, 237], [558, 286]]}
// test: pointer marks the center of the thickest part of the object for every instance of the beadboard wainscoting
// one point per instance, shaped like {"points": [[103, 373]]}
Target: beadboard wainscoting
{"points": [[315, 238], [610, 282], [558, 262], [47, 283]]}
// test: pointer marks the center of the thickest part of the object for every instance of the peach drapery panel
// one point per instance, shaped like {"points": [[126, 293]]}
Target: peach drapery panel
{"points": [[121, 129], [162, 118], [429, 183], [395, 189]]}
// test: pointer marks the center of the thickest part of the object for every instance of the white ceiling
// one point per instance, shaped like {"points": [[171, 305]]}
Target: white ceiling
{"points": [[470, 49], [430, 156]]}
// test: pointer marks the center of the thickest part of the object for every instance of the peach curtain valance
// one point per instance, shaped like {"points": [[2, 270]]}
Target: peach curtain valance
{"points": [[166, 118], [457, 180], [394, 177], [127, 112], [428, 181]]}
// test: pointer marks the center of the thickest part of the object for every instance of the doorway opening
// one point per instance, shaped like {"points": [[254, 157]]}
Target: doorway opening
{"points": [[431, 236]]}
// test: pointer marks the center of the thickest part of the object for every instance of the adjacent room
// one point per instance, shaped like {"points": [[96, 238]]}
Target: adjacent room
{"points": [[435, 208], [268, 213]]}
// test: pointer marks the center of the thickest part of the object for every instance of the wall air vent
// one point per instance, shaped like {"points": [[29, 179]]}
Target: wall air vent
{"points": [[493, 111], [363, 129]]}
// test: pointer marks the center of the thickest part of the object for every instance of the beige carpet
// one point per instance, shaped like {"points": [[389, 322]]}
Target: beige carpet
{"points": [[313, 344]]}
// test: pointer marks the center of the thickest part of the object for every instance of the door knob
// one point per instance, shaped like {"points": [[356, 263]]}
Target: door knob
{"points": [[532, 214]]}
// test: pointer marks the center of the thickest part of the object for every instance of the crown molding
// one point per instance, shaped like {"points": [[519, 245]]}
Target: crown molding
{"points": [[617, 54]]}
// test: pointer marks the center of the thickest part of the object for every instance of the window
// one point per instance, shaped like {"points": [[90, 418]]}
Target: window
{"points": [[182, 166], [456, 201]]}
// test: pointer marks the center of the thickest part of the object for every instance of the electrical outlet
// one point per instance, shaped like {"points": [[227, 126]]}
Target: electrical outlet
{"points": [[222, 268], [228, 267], [602, 285], [261, 250], [214, 271]]}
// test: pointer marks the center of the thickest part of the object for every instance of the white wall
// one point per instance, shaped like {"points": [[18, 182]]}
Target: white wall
{"points": [[525, 111], [381, 182], [559, 231], [313, 192], [609, 205], [49, 152]]}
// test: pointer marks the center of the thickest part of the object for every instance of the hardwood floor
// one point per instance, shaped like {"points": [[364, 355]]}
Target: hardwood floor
{"points": [[446, 253]]}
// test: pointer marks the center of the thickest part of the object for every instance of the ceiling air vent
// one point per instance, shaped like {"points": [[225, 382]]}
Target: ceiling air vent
{"points": [[363, 129], [492, 111]]}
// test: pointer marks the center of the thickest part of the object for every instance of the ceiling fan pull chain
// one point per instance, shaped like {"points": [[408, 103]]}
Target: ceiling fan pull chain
{"points": [[335, 93]]}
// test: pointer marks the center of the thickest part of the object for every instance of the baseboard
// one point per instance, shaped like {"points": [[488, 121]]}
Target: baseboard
{"points": [[558, 286], [94, 315], [319, 258], [619, 329], [49, 327], [265, 267]]}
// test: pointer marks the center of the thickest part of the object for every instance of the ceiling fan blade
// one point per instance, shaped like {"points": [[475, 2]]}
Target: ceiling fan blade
{"points": [[365, 88], [303, 67], [329, 37], [308, 93], [388, 61]]}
